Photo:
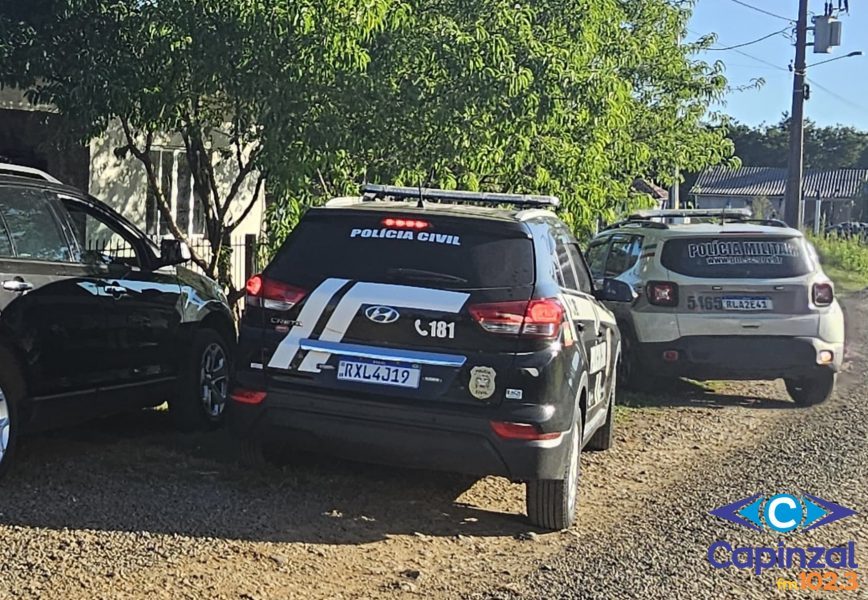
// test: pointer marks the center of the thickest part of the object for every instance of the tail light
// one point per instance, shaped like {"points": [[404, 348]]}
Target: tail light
{"points": [[823, 294], [271, 294], [245, 396], [521, 431], [537, 318], [662, 293]]}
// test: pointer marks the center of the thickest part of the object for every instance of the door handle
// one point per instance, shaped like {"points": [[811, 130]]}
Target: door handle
{"points": [[116, 290], [17, 285]]}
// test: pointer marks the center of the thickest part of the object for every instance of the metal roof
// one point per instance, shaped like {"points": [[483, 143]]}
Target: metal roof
{"points": [[772, 181]]}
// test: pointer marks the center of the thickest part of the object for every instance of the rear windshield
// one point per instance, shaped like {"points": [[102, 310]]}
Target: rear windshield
{"points": [[441, 254], [737, 257]]}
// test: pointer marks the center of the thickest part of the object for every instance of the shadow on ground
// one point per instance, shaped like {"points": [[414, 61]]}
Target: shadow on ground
{"points": [[685, 393], [134, 473]]}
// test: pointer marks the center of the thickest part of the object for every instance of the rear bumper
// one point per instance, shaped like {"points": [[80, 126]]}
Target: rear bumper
{"points": [[739, 357], [403, 434]]}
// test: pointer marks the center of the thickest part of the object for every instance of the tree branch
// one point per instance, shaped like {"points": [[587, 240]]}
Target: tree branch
{"points": [[144, 156], [260, 180], [244, 170]]}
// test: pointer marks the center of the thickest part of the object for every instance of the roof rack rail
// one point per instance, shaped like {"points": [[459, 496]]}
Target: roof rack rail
{"points": [[630, 222], [372, 192], [718, 213], [767, 222], [29, 172]]}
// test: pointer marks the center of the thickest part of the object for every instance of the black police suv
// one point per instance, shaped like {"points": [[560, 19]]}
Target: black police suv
{"points": [[432, 329], [95, 319]]}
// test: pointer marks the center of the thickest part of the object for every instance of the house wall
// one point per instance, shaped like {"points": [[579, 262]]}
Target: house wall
{"points": [[122, 183], [834, 211], [721, 202]]}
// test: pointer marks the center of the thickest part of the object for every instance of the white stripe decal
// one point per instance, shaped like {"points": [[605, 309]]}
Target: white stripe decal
{"points": [[400, 296], [307, 319]]}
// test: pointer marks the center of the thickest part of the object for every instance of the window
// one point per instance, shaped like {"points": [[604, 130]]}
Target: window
{"points": [[566, 265], [452, 253], [582, 275], [29, 227], [623, 255], [754, 257], [176, 183], [100, 242], [597, 258]]}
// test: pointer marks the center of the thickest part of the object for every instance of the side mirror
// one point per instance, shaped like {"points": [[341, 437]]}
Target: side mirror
{"points": [[614, 290], [174, 252]]}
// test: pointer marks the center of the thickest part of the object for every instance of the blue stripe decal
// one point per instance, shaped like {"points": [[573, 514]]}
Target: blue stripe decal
{"points": [[381, 353]]}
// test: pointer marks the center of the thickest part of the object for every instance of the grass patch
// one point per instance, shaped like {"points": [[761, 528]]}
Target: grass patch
{"points": [[844, 260]]}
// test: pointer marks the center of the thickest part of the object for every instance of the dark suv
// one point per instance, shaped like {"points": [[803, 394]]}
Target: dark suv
{"points": [[418, 328], [95, 319]]}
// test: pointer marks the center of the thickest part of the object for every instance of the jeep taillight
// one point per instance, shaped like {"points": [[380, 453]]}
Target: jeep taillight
{"points": [[823, 294], [537, 318], [271, 294], [662, 293]]}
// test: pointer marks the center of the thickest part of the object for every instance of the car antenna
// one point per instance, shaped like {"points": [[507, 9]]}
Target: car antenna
{"points": [[421, 202]]}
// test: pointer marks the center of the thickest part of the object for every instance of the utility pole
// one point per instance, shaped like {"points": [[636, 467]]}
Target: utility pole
{"points": [[793, 209], [675, 192]]}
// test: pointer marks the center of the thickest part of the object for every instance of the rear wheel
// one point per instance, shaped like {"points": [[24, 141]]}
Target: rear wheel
{"points": [[255, 453], [10, 394], [551, 503], [605, 435], [204, 385], [815, 389]]}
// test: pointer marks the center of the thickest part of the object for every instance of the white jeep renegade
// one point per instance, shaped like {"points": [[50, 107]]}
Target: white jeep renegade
{"points": [[722, 296]]}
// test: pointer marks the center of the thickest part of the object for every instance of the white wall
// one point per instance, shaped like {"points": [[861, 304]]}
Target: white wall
{"points": [[121, 183]]}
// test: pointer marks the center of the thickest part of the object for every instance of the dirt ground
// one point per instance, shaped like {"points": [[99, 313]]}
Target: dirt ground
{"points": [[126, 508]]}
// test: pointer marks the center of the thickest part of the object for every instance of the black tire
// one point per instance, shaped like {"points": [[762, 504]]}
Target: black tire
{"points": [[812, 390], [604, 437], [11, 393], [551, 503], [251, 453], [198, 406], [630, 370], [256, 454]]}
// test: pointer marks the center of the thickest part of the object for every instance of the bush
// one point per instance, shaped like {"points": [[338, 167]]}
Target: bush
{"points": [[844, 257]]}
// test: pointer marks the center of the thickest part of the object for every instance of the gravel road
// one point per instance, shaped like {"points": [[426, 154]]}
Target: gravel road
{"points": [[658, 549], [126, 508]]}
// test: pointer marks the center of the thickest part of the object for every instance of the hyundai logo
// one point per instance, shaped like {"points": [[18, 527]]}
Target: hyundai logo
{"points": [[382, 314]]}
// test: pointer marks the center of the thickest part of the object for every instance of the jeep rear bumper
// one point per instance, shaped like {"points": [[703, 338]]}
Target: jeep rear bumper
{"points": [[739, 357]]}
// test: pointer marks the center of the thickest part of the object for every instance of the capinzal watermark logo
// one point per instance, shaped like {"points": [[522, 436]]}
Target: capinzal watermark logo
{"points": [[782, 514]]}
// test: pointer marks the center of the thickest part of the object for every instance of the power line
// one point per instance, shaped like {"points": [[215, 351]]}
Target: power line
{"points": [[763, 11], [837, 96], [756, 41], [743, 53], [762, 60]]}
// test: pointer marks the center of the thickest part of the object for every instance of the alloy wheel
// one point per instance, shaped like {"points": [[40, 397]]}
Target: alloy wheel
{"points": [[214, 380], [5, 425]]}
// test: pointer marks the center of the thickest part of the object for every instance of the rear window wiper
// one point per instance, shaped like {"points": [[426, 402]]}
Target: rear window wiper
{"points": [[423, 275]]}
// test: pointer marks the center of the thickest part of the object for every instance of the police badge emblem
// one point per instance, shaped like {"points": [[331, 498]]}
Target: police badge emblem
{"points": [[482, 382]]}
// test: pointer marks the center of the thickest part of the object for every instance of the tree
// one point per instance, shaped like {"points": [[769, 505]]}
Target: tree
{"points": [[235, 80], [570, 97], [826, 148]]}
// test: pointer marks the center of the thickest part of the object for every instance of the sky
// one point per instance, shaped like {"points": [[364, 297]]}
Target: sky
{"points": [[839, 90]]}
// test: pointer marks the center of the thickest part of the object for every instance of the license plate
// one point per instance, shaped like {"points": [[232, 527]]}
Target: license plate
{"points": [[395, 375], [747, 303]]}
